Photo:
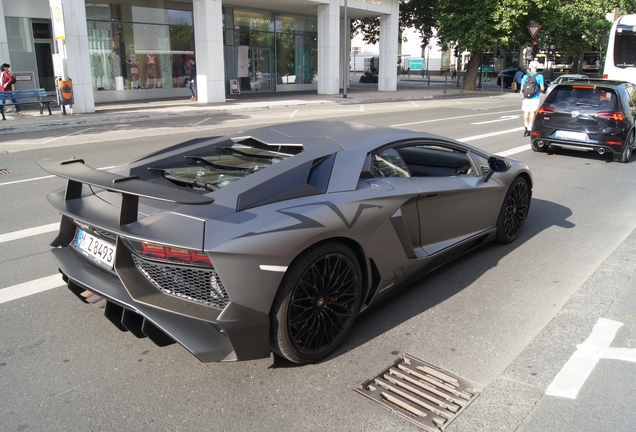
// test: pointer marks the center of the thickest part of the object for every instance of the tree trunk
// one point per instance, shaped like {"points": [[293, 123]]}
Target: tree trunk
{"points": [[472, 72]]}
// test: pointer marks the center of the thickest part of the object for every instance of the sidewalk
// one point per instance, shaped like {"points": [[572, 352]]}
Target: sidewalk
{"points": [[413, 88]]}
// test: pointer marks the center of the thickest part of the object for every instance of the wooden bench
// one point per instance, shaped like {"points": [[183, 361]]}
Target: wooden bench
{"points": [[26, 97]]}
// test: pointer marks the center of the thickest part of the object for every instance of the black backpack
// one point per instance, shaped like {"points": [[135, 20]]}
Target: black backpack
{"points": [[530, 87]]}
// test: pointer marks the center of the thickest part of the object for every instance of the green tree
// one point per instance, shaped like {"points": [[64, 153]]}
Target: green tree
{"points": [[573, 26]]}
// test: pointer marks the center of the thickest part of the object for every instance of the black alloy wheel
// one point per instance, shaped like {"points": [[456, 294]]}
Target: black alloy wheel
{"points": [[626, 154], [316, 304], [514, 211]]}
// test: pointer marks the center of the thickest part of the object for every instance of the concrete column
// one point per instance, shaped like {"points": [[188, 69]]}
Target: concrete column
{"points": [[208, 40], [387, 74], [78, 66], [4, 45], [329, 48], [341, 69]]}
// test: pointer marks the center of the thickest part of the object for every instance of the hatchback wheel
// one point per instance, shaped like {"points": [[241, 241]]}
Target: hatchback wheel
{"points": [[626, 154], [513, 211], [316, 304]]}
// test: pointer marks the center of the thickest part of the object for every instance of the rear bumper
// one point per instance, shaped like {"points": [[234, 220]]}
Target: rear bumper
{"points": [[597, 143], [234, 333]]}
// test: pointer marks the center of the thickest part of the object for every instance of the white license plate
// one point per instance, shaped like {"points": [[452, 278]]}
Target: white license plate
{"points": [[95, 248], [579, 136]]}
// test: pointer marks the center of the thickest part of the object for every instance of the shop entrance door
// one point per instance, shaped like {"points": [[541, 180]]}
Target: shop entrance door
{"points": [[260, 69], [44, 62]]}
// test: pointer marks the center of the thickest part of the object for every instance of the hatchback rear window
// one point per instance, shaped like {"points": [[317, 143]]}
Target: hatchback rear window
{"points": [[571, 97]]}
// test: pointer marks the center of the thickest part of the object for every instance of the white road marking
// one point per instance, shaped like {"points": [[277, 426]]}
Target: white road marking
{"points": [[26, 180], [361, 108], [16, 235], [26, 289], [202, 121], [293, 114], [571, 378], [454, 118], [65, 136], [514, 150], [476, 137], [45, 177], [414, 103], [502, 118]]}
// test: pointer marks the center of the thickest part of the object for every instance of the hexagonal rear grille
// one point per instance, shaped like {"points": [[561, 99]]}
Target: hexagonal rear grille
{"points": [[190, 283]]}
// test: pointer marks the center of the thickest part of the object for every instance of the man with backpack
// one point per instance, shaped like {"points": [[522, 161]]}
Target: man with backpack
{"points": [[531, 87]]}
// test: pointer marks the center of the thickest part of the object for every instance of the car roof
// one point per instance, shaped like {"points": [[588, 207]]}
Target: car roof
{"points": [[597, 82]]}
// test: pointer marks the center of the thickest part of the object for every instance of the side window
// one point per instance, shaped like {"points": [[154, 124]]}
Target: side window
{"points": [[483, 163], [389, 163], [631, 93], [431, 160]]}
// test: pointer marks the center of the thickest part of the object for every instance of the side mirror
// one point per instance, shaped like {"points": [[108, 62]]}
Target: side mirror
{"points": [[496, 164]]}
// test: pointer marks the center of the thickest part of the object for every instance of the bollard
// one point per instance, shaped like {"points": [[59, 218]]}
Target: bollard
{"points": [[445, 78], [429, 80], [461, 89], [502, 84]]}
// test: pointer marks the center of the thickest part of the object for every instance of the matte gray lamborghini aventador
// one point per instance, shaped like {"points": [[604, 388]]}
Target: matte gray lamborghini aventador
{"points": [[276, 238]]}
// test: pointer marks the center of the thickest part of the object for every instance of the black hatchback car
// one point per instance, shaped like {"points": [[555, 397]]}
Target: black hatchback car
{"points": [[588, 115]]}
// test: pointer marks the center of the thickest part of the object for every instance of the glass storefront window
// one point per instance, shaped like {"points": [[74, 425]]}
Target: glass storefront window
{"points": [[296, 58], [150, 50]]}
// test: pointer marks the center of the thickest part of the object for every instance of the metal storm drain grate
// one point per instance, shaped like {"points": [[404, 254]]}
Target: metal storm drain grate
{"points": [[4, 171], [424, 394]]}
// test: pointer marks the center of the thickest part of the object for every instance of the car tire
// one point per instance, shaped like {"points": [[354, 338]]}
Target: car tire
{"points": [[316, 304], [514, 211], [536, 148], [626, 154]]}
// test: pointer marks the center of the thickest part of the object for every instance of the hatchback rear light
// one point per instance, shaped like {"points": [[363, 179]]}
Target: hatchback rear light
{"points": [[613, 115], [613, 143], [604, 76], [545, 110], [535, 134], [167, 253]]}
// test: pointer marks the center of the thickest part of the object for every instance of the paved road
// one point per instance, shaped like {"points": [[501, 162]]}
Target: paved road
{"points": [[508, 317]]}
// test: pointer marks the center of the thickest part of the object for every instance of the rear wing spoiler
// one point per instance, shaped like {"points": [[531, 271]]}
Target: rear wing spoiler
{"points": [[131, 188]]}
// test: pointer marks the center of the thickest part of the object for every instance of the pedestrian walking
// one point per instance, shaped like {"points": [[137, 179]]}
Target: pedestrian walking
{"points": [[453, 71], [192, 81], [6, 82], [517, 80], [531, 87]]}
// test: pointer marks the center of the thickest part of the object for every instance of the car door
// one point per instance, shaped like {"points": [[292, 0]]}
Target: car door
{"points": [[454, 202]]}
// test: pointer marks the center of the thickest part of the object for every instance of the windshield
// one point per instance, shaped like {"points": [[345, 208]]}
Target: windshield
{"points": [[581, 97], [228, 165], [625, 47]]}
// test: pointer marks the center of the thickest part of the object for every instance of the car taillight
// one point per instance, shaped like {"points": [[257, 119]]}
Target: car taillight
{"points": [[167, 253], [545, 110], [535, 134], [614, 115], [613, 143], [604, 76]]}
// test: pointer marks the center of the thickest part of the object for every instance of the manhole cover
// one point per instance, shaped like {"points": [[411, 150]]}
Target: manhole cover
{"points": [[424, 394], [4, 171]]}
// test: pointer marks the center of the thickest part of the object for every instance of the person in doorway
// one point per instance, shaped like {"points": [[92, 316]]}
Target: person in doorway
{"points": [[531, 87], [192, 81], [518, 78], [6, 82]]}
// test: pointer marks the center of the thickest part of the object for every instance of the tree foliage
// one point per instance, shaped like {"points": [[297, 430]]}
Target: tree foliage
{"points": [[573, 26]]}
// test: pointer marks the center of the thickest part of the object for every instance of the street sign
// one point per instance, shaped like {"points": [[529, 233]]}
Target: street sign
{"points": [[533, 29]]}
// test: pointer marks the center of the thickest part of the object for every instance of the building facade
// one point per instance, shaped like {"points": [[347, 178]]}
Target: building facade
{"points": [[140, 49]]}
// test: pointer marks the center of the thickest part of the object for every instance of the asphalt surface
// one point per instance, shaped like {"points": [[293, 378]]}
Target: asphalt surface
{"points": [[522, 398], [416, 88]]}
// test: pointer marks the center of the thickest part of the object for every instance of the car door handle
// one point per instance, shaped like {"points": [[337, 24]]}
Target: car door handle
{"points": [[432, 195]]}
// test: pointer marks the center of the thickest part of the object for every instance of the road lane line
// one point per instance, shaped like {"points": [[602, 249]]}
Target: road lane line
{"points": [[361, 108], [476, 137], [454, 118], [202, 121], [571, 378], [16, 235], [514, 150], [293, 114], [414, 103], [500, 119], [65, 136], [26, 289], [45, 177]]}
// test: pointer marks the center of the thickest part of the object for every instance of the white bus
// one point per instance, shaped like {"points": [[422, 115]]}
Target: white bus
{"points": [[620, 61]]}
